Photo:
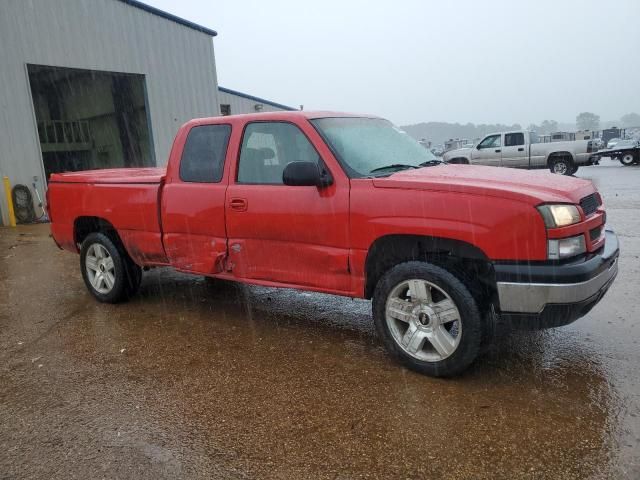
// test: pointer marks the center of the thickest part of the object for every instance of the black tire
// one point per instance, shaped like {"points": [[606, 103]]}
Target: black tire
{"points": [[628, 159], [458, 161], [23, 204], [575, 169], [126, 274], [561, 166], [471, 332]]}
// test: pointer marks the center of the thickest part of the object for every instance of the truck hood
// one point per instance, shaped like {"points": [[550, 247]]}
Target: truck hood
{"points": [[527, 186]]}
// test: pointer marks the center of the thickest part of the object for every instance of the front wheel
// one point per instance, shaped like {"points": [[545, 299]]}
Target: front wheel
{"points": [[561, 166], [627, 159], [427, 319], [109, 274]]}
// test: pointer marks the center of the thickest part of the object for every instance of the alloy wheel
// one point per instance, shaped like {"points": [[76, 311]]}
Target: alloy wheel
{"points": [[560, 168], [100, 268], [423, 320]]}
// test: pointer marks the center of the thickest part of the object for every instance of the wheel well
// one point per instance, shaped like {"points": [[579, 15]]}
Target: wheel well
{"points": [[83, 226], [467, 262], [459, 161], [555, 155]]}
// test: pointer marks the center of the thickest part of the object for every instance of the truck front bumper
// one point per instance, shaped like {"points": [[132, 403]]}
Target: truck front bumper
{"points": [[536, 296]]}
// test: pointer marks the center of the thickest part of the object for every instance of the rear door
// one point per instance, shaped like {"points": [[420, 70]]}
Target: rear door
{"points": [[488, 151], [295, 235], [514, 152], [193, 202]]}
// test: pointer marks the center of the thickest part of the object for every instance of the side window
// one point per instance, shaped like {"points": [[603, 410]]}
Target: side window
{"points": [[203, 155], [268, 147], [491, 141], [513, 139]]}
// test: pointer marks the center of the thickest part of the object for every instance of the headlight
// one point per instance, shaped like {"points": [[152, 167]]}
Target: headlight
{"points": [[566, 247], [559, 215]]}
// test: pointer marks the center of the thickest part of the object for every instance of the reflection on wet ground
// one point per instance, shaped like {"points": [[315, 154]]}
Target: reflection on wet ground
{"points": [[201, 379]]}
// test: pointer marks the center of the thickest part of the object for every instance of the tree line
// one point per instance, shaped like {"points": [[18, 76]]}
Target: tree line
{"points": [[439, 132]]}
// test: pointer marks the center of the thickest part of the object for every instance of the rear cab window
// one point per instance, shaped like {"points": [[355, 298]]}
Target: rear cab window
{"points": [[513, 139], [204, 153]]}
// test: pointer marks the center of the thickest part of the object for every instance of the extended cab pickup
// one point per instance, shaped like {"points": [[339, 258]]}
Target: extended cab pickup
{"points": [[352, 206], [522, 149]]}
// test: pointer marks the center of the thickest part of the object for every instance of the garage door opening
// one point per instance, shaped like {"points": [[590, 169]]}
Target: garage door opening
{"points": [[89, 119]]}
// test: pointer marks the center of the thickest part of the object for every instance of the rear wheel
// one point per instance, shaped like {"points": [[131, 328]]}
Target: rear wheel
{"points": [[427, 319], [627, 159], [561, 166], [108, 272]]}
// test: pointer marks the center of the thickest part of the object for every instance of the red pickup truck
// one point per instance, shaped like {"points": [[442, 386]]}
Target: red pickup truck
{"points": [[348, 205]]}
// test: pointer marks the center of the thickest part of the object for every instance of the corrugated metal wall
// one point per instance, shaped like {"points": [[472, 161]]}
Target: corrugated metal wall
{"points": [[241, 104], [107, 35]]}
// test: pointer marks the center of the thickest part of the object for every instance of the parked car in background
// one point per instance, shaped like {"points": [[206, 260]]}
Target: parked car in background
{"points": [[352, 206], [626, 151], [521, 149]]}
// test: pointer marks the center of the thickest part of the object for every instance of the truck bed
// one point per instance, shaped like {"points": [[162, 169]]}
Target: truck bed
{"points": [[127, 198], [114, 175]]}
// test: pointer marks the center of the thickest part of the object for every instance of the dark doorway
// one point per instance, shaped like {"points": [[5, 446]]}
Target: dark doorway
{"points": [[90, 119]]}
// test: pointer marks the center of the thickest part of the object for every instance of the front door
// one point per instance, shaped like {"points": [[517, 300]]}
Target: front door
{"points": [[488, 151], [514, 153], [294, 235]]}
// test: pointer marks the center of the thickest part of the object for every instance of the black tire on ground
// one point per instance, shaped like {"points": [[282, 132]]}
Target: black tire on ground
{"points": [[458, 161], [561, 165], [127, 276], [23, 204], [470, 318], [628, 159], [575, 169]]}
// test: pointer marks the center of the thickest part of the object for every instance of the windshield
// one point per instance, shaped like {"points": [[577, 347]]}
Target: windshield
{"points": [[372, 146]]}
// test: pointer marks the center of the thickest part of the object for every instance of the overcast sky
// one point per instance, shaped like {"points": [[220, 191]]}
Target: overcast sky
{"points": [[412, 61]]}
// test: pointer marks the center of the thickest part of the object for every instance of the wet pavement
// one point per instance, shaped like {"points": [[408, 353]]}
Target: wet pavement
{"points": [[193, 379]]}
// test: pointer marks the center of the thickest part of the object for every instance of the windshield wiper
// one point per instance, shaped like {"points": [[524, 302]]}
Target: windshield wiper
{"points": [[431, 163], [394, 166]]}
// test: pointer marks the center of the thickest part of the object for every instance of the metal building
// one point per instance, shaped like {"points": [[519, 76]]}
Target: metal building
{"points": [[96, 84], [233, 102]]}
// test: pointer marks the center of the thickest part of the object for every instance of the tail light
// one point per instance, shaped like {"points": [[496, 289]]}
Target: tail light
{"points": [[589, 146]]}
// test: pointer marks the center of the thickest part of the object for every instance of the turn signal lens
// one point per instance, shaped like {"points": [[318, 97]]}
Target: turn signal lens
{"points": [[559, 215], [566, 247]]}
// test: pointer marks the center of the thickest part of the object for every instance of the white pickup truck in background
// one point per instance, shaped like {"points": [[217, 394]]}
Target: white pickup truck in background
{"points": [[521, 149]]}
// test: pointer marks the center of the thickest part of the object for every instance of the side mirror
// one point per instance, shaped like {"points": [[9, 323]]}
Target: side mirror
{"points": [[305, 174]]}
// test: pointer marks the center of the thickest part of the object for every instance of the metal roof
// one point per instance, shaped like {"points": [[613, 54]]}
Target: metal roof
{"points": [[255, 99], [168, 16]]}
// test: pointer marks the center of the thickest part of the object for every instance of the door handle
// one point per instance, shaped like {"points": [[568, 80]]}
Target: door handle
{"points": [[239, 204], [521, 149], [498, 151]]}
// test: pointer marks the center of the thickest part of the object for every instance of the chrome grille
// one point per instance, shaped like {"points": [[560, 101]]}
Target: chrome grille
{"points": [[590, 204]]}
